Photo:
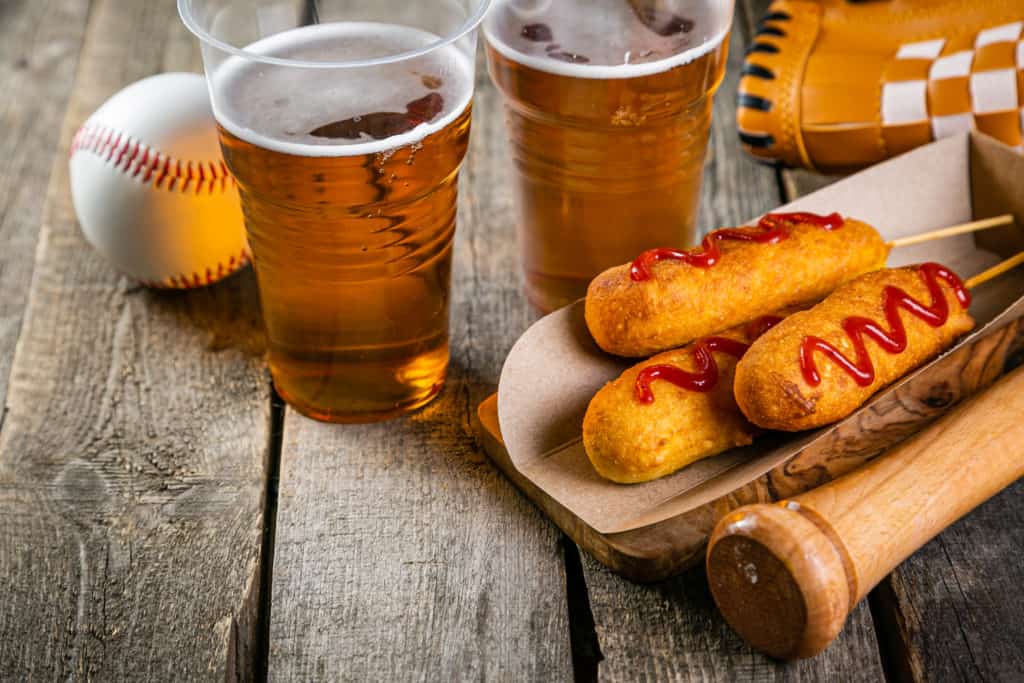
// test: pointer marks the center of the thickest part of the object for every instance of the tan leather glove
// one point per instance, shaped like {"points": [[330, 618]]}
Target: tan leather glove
{"points": [[834, 85]]}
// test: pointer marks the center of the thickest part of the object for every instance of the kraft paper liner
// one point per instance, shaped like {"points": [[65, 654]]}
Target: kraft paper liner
{"points": [[555, 368]]}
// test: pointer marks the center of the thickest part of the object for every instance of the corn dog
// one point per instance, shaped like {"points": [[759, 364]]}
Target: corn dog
{"points": [[818, 366], [667, 298], [671, 410]]}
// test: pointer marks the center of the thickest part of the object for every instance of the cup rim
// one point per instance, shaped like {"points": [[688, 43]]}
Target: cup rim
{"points": [[469, 25]]}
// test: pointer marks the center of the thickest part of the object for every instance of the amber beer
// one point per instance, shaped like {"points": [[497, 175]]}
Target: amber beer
{"points": [[349, 194], [608, 107]]}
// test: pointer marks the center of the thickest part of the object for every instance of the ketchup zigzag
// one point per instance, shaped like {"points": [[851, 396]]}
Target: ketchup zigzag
{"points": [[862, 370], [772, 228], [706, 377]]}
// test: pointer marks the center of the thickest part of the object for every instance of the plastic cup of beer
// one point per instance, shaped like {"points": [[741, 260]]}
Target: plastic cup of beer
{"points": [[608, 108], [345, 123]]}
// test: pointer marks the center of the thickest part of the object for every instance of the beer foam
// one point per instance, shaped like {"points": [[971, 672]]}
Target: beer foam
{"points": [[608, 33], [277, 107]]}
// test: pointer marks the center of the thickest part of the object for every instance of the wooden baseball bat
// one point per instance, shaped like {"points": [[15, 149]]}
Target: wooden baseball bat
{"points": [[786, 575]]}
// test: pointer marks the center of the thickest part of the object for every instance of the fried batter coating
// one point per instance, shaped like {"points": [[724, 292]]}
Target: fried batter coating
{"points": [[770, 386], [629, 441], [681, 303]]}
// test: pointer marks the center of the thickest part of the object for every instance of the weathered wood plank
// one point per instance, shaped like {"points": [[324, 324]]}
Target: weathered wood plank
{"points": [[39, 51], [672, 630], [401, 553], [133, 452]]}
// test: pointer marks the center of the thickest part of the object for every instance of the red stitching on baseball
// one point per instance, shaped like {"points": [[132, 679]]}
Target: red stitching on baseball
{"points": [[196, 280], [134, 158]]}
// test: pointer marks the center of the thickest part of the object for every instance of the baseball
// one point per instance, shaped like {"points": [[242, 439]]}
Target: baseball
{"points": [[151, 189]]}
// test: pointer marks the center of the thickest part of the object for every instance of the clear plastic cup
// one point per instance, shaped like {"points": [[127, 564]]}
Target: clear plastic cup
{"points": [[608, 108], [345, 123]]}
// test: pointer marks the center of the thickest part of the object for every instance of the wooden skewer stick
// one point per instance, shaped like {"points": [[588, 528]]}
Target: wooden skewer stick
{"points": [[786, 576], [995, 271], [962, 229]]}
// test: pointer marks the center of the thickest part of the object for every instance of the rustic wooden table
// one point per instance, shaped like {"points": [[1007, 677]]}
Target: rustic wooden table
{"points": [[163, 517]]}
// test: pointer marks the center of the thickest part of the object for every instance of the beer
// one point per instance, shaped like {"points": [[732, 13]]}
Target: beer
{"points": [[608, 107], [348, 184]]}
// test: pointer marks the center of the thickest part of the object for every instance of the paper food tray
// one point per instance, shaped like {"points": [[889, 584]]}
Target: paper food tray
{"points": [[555, 368]]}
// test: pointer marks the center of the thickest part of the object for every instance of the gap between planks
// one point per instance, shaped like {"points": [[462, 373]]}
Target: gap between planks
{"points": [[261, 667], [586, 647]]}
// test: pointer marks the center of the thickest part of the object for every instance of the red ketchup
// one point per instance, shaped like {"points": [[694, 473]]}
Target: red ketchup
{"points": [[706, 377], [771, 229], [862, 370]]}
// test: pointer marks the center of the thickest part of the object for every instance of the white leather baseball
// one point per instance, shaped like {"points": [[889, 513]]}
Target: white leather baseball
{"points": [[151, 189]]}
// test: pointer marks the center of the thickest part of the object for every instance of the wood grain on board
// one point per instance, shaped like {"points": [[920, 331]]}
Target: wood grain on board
{"points": [[399, 548], [133, 449]]}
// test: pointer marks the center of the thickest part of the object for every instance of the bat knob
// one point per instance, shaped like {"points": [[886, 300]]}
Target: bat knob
{"points": [[787, 575], [782, 578]]}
